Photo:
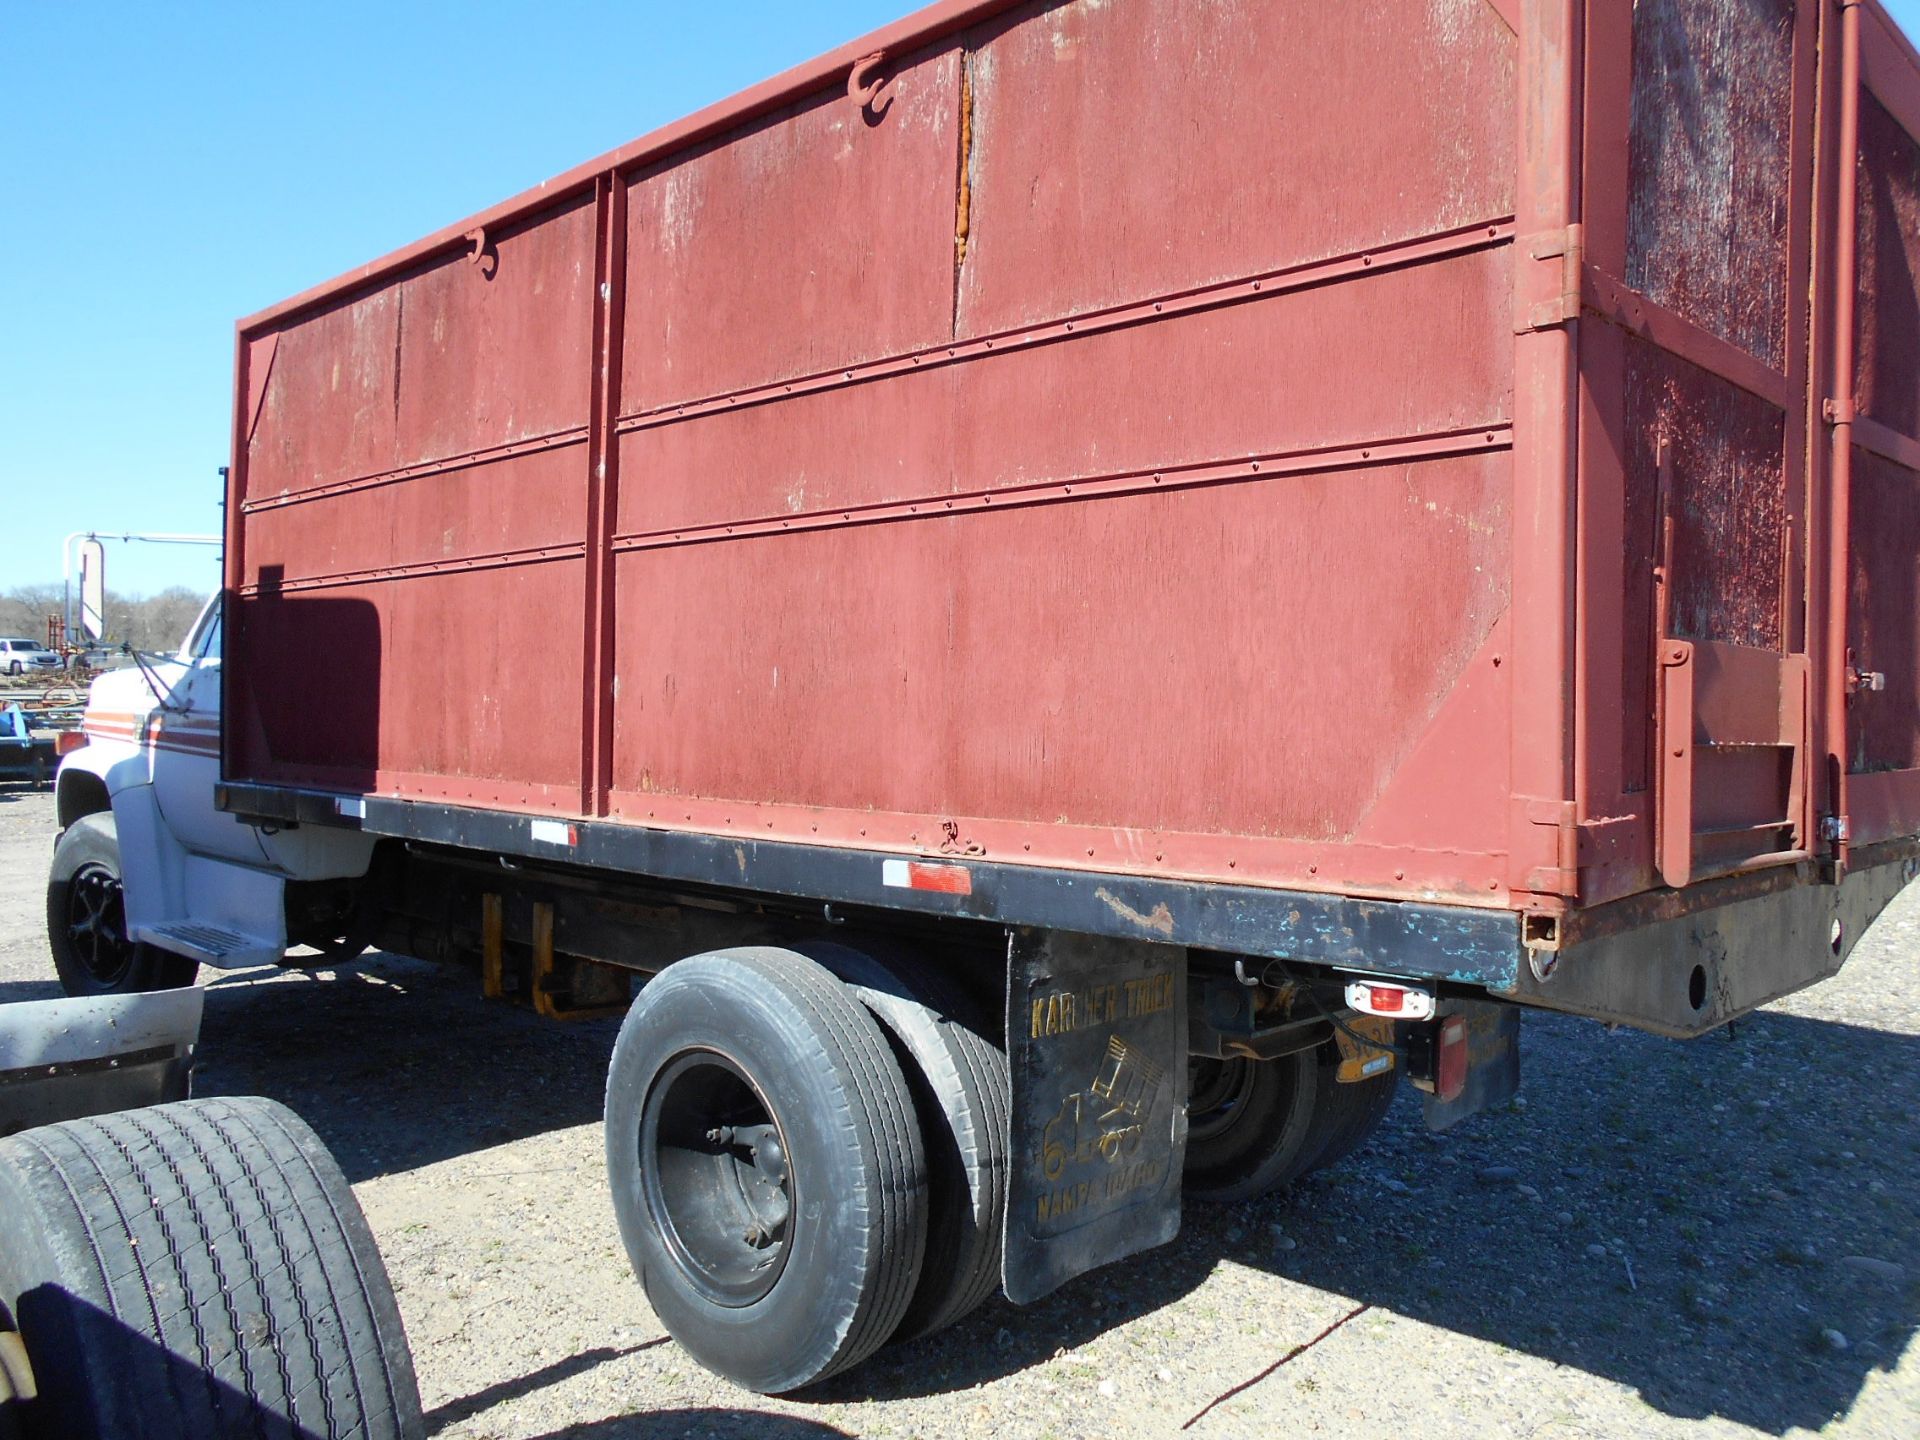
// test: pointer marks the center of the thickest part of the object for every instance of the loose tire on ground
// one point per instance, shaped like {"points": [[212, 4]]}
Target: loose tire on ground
{"points": [[1249, 1124], [766, 1167], [963, 1095], [87, 920], [198, 1271]]}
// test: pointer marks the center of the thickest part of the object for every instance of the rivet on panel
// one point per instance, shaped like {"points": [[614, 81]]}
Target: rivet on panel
{"points": [[1399, 874]]}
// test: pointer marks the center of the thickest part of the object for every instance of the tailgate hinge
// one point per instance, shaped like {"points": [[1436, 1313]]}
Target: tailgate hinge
{"points": [[1547, 281], [1558, 844]]}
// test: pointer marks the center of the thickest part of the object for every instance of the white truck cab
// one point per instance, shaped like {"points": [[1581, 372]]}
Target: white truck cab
{"points": [[150, 879]]}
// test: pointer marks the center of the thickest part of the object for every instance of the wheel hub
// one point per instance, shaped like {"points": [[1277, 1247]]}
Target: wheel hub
{"points": [[97, 923], [1216, 1090], [716, 1177]]}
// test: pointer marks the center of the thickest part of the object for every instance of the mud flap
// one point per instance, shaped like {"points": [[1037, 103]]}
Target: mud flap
{"points": [[1492, 1064], [1097, 1041]]}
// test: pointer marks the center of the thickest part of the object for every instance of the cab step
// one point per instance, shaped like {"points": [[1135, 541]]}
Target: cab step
{"points": [[210, 944]]}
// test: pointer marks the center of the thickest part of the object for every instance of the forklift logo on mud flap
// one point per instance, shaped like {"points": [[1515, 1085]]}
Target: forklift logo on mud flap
{"points": [[1104, 1123]]}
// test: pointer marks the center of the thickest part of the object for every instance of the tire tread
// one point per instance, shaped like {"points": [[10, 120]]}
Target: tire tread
{"points": [[242, 1237]]}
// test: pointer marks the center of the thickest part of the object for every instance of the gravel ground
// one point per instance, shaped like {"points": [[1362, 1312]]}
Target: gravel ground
{"points": [[1700, 1240]]}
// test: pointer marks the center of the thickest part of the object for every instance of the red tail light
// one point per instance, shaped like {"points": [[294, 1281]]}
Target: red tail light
{"points": [[68, 741], [1450, 1059]]}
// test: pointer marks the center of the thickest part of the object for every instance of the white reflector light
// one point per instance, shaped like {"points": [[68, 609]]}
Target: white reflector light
{"points": [[1397, 1002]]}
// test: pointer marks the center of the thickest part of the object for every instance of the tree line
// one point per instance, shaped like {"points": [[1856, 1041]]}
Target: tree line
{"points": [[149, 622]]}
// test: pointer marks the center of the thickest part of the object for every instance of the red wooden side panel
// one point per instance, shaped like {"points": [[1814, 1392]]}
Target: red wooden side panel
{"points": [[1695, 357], [1122, 150], [410, 604], [1887, 375], [1709, 155], [1097, 450], [1276, 375], [1884, 604], [822, 238], [1041, 590], [1883, 600]]}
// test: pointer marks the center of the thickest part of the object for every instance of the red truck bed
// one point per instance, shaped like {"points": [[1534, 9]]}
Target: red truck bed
{"points": [[1461, 453]]}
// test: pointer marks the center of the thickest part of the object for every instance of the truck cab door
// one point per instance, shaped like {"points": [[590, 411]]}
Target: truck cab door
{"points": [[185, 738]]}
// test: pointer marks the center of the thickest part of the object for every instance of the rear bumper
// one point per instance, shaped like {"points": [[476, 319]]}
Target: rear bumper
{"points": [[1681, 962]]}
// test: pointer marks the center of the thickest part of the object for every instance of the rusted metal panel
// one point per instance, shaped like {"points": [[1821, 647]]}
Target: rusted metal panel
{"points": [[463, 685], [1152, 146], [820, 238], [1884, 596], [1887, 336], [1116, 403], [1874, 679], [473, 514], [1725, 449], [1711, 133], [1119, 723], [1218, 442]]}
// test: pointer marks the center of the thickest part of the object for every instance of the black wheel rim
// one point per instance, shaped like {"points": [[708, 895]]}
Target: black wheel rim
{"points": [[1217, 1094], [716, 1177], [97, 924]]}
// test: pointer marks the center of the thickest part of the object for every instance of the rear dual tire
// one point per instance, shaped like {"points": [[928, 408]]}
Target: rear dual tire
{"points": [[963, 1099], [1256, 1126], [766, 1167], [807, 1155]]}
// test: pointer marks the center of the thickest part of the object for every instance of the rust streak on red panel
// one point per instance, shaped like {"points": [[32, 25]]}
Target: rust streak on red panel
{"points": [[603, 492]]}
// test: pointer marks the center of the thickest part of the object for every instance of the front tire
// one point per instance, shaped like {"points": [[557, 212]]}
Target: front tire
{"points": [[87, 920], [196, 1272], [766, 1165]]}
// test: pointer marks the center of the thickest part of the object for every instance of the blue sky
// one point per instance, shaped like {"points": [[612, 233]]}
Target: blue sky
{"points": [[170, 167]]}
